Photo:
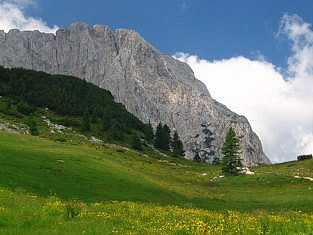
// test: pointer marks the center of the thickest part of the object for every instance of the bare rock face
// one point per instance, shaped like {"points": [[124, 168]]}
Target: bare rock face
{"points": [[149, 83]]}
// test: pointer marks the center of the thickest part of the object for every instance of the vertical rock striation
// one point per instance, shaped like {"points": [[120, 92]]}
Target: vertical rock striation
{"points": [[149, 83]]}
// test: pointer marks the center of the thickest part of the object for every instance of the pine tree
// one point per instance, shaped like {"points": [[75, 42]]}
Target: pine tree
{"points": [[136, 143], [115, 132], [166, 137], [162, 137], [216, 161], [86, 121], [94, 116], [158, 142], [106, 122], [231, 156], [8, 104], [177, 145], [149, 134], [197, 158]]}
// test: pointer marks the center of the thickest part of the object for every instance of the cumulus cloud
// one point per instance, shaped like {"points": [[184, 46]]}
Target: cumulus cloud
{"points": [[12, 17], [279, 107]]}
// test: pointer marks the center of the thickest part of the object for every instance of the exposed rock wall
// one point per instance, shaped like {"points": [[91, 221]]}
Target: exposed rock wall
{"points": [[149, 83]]}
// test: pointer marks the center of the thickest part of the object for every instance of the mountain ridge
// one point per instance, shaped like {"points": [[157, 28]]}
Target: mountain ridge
{"points": [[151, 85]]}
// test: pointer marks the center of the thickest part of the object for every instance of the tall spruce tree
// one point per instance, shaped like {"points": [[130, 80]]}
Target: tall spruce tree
{"points": [[149, 134], [231, 153], [162, 137], [94, 116], [177, 145], [166, 137], [106, 121], [86, 121], [158, 141]]}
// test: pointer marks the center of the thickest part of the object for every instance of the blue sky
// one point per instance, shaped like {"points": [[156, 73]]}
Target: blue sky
{"points": [[212, 29], [255, 56]]}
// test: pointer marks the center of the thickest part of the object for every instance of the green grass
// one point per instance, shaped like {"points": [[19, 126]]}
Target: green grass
{"points": [[75, 187], [22, 213], [92, 173]]}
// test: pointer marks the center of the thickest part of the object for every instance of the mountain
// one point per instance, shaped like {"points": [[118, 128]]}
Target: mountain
{"points": [[151, 85]]}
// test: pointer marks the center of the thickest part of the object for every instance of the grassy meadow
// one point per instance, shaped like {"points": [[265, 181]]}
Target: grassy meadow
{"points": [[52, 187]]}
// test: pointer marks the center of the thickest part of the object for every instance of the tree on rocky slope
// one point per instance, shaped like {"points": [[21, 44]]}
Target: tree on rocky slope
{"points": [[148, 130], [86, 121], [136, 143], [177, 145], [162, 137], [231, 153]]}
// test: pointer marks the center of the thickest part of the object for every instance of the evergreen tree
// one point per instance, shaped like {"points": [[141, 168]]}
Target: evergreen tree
{"points": [[136, 143], [8, 104], [106, 122], [216, 161], [149, 134], [158, 141], [86, 121], [115, 132], [177, 145], [166, 132], [25, 108], [162, 137], [197, 158], [231, 156], [94, 116]]}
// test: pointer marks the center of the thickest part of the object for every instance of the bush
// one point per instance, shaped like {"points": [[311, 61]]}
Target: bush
{"points": [[68, 122], [25, 108], [136, 143], [304, 157], [33, 127], [61, 139]]}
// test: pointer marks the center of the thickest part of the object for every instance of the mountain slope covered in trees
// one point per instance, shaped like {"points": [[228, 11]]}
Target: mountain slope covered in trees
{"points": [[81, 105]]}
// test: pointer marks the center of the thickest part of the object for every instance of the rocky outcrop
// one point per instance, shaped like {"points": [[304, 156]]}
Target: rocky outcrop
{"points": [[149, 83]]}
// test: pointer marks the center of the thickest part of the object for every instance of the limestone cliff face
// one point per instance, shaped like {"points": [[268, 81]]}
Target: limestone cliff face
{"points": [[149, 83]]}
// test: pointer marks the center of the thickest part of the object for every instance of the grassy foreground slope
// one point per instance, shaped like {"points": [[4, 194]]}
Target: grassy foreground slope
{"points": [[93, 173], [29, 214], [49, 187]]}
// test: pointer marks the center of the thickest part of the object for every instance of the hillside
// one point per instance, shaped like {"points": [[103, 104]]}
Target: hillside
{"points": [[89, 173], [33, 98]]}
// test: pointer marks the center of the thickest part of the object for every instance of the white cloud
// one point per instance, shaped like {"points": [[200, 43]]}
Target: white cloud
{"points": [[13, 17], [280, 109]]}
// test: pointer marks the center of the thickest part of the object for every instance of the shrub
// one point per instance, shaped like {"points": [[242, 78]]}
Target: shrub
{"points": [[25, 108], [197, 158], [136, 143], [61, 139], [33, 127], [304, 157]]}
